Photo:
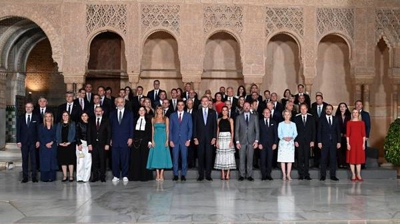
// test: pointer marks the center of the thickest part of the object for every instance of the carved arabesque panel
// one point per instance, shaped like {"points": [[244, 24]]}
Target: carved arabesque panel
{"points": [[388, 23], [223, 16], [156, 15], [329, 19], [284, 18], [98, 16]]}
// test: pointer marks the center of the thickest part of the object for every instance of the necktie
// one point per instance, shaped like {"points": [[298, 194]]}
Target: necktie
{"points": [[304, 120], [230, 99], [28, 122], [229, 114], [247, 119], [174, 104], [319, 110], [69, 108], [165, 111], [42, 112], [140, 125], [180, 118], [329, 120], [205, 116], [98, 124], [81, 102], [155, 94], [267, 122], [89, 97], [120, 117]]}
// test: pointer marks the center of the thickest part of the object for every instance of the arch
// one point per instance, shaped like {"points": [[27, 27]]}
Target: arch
{"points": [[97, 32], [342, 35], [290, 33], [22, 56], [283, 65], [44, 24]]}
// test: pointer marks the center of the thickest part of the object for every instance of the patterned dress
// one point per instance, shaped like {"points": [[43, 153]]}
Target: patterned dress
{"points": [[286, 148], [225, 158]]}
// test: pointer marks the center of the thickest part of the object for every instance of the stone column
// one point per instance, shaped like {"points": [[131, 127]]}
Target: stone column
{"points": [[193, 77], [357, 92], [133, 79], [395, 101], [74, 82], [308, 82], [250, 79], [366, 96], [3, 82]]}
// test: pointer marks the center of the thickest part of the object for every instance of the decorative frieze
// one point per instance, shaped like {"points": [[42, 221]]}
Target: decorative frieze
{"points": [[160, 16], [284, 18], [100, 15], [388, 24], [223, 17], [335, 19]]}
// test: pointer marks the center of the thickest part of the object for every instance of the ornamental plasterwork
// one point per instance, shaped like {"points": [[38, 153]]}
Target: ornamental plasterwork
{"points": [[284, 18], [388, 23], [165, 16], [98, 16], [223, 17], [341, 19]]}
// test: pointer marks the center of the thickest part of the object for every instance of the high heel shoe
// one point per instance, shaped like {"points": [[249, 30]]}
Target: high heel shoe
{"points": [[64, 179], [353, 179], [360, 179], [71, 179], [289, 178]]}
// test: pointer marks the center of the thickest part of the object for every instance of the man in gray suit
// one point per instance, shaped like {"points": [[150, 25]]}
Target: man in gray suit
{"points": [[247, 134]]}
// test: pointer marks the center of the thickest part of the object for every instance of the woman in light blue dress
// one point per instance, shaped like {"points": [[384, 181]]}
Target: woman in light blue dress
{"points": [[160, 155], [287, 132]]}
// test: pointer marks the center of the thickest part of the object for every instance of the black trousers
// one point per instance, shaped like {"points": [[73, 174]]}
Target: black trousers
{"points": [[28, 152], [205, 156], [303, 158], [192, 155], [99, 156], [328, 150], [266, 156]]}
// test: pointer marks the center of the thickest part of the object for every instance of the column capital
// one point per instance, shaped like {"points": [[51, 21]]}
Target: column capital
{"points": [[253, 78], [74, 78], [191, 76], [134, 77], [363, 79]]}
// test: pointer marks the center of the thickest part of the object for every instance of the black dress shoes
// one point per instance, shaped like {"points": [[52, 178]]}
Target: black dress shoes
{"points": [[308, 178], [103, 180], [25, 180], [175, 178], [209, 179], [263, 179], [322, 178], [94, 180], [241, 179], [200, 179], [301, 177], [183, 178], [250, 179], [34, 180], [270, 178], [334, 178]]}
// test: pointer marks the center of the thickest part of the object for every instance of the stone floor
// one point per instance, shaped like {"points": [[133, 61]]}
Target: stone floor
{"points": [[373, 201]]}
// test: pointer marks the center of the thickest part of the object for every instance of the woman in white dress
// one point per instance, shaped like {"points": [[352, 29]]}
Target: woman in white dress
{"points": [[287, 132]]}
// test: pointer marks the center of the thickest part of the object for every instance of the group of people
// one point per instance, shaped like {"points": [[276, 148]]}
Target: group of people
{"points": [[138, 134]]}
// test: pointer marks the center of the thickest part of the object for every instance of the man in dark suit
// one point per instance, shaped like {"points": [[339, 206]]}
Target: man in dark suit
{"points": [[128, 104], [247, 133], [41, 109], [98, 140], [275, 115], [278, 107], [253, 88], [231, 98], [257, 104], [305, 140], [154, 94], [192, 147], [104, 101], [166, 108], [205, 136], [328, 138], [162, 95], [173, 102], [180, 134], [267, 96], [73, 109], [81, 100], [109, 95], [96, 103], [136, 100], [89, 94], [28, 141], [317, 94], [121, 121], [301, 92], [186, 93], [318, 111], [193, 97], [268, 143], [367, 120], [231, 113]]}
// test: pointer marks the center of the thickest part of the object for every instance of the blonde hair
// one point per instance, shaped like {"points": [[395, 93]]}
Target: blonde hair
{"points": [[44, 119]]}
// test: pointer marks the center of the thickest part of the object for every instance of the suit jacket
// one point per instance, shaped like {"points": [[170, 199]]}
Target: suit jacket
{"points": [[279, 107], [249, 98], [86, 103], [37, 112], [234, 102], [157, 103], [91, 111], [179, 133], [101, 136], [135, 105], [328, 134], [314, 110], [307, 99], [108, 104], [90, 100], [150, 95], [25, 134], [208, 131], [233, 115], [305, 132], [121, 132], [277, 116], [71, 132], [75, 114], [268, 134], [128, 105], [247, 134], [168, 113], [367, 120], [171, 106]]}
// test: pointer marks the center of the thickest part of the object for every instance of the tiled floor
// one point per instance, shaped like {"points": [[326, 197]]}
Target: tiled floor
{"points": [[373, 201]]}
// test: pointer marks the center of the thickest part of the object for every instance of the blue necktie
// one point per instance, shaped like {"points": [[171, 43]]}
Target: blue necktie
{"points": [[205, 116]]}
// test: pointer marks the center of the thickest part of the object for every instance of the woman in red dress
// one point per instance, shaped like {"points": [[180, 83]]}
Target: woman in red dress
{"points": [[218, 102], [355, 136]]}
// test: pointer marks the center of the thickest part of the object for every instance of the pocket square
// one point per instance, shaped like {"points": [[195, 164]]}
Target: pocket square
{"points": [[33, 121]]}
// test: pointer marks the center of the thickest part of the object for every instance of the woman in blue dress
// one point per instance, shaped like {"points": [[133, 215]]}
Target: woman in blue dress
{"points": [[48, 149], [287, 132], [160, 155]]}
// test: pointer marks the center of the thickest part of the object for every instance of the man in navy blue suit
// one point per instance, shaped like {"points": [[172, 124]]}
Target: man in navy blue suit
{"points": [[28, 141], [328, 139], [268, 143], [154, 94], [180, 133], [367, 120], [121, 121]]}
